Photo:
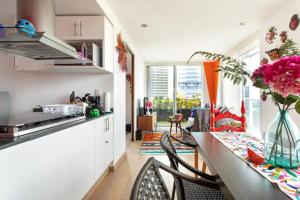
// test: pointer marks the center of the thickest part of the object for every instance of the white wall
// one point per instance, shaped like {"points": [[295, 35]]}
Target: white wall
{"points": [[119, 83], [279, 19]]}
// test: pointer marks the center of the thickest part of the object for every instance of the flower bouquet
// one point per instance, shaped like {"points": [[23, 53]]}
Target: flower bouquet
{"points": [[281, 81]]}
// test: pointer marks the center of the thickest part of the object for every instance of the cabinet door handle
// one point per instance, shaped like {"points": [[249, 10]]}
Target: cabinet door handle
{"points": [[105, 125], [106, 142], [108, 124], [75, 28], [80, 33]]}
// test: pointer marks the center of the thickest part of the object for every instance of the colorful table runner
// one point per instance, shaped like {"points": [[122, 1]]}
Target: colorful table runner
{"points": [[287, 180]]}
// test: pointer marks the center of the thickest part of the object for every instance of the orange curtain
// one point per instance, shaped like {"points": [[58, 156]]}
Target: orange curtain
{"points": [[212, 79]]}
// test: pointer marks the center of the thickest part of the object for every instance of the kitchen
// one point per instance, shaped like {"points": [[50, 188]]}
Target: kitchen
{"points": [[66, 161]]}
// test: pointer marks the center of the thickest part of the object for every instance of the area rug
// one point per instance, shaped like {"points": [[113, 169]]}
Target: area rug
{"points": [[151, 145]]}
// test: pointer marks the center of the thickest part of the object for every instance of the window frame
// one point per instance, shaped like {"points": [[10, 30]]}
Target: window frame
{"points": [[175, 78]]}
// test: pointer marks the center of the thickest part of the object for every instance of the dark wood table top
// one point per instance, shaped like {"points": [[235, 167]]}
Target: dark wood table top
{"points": [[236, 179]]}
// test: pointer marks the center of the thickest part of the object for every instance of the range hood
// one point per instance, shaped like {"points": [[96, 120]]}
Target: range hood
{"points": [[42, 46]]}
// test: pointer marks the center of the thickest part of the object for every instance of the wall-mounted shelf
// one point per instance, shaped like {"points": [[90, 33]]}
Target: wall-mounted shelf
{"points": [[83, 69], [88, 69], [23, 64]]}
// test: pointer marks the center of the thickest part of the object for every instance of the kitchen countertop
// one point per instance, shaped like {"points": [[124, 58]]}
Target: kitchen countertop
{"points": [[9, 142]]}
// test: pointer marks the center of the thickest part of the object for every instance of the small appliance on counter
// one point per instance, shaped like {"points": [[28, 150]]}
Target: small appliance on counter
{"points": [[66, 109]]}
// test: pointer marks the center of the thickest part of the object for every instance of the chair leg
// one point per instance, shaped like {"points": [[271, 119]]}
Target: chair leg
{"points": [[173, 191], [203, 167], [176, 124], [171, 127], [196, 159], [179, 124]]}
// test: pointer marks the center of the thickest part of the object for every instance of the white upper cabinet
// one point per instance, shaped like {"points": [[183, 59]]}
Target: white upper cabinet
{"points": [[67, 27], [91, 27], [79, 27]]}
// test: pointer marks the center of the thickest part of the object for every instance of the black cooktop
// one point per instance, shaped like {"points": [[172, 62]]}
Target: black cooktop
{"points": [[22, 119]]}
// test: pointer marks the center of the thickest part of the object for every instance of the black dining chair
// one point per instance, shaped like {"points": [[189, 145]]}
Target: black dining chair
{"points": [[188, 140], [149, 185], [189, 190]]}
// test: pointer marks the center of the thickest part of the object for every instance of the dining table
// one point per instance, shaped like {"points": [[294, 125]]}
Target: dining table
{"points": [[236, 179]]}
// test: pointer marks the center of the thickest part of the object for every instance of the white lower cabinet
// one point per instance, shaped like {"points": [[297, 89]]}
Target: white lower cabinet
{"points": [[61, 166], [103, 144]]}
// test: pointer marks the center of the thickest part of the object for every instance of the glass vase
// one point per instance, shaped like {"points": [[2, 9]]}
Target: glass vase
{"points": [[282, 142]]}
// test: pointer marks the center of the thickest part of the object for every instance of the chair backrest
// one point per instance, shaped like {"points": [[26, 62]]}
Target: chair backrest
{"points": [[228, 115], [149, 183], [167, 146]]}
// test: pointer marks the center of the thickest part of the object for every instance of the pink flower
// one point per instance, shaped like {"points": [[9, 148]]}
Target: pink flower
{"points": [[283, 76]]}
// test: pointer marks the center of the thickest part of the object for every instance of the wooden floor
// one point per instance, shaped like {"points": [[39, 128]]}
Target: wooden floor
{"points": [[117, 185]]}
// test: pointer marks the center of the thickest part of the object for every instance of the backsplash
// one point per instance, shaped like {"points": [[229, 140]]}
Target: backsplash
{"points": [[29, 89]]}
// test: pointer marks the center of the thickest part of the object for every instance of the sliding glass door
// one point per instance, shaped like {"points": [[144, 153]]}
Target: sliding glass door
{"points": [[174, 89]]}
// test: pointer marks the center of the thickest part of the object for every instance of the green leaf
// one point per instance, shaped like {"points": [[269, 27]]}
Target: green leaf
{"points": [[260, 84], [278, 98], [291, 99], [297, 107]]}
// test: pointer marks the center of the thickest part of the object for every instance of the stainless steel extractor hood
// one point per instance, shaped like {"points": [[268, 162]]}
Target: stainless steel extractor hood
{"points": [[42, 46]]}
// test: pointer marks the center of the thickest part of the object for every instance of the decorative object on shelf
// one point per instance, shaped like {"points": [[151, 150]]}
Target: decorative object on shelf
{"points": [[273, 54], [2, 31], [264, 61], [294, 23], [283, 36], [94, 113], [149, 107], [286, 48], [281, 81], [271, 34], [23, 26], [26, 27], [122, 49], [255, 157]]}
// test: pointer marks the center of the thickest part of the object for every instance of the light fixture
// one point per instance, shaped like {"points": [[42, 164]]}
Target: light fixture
{"points": [[243, 23], [144, 25]]}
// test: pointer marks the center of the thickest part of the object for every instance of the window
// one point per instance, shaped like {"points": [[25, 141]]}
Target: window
{"points": [[173, 89], [250, 94]]}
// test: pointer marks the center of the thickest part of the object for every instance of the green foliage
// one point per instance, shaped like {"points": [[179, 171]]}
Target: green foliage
{"points": [[297, 107], [289, 48], [260, 84], [233, 69], [278, 98], [181, 101], [185, 103]]}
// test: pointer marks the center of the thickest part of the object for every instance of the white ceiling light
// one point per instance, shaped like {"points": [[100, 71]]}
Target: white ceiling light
{"points": [[144, 25], [243, 23]]}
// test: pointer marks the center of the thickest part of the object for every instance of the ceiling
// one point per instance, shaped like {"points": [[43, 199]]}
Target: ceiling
{"points": [[77, 7], [177, 28]]}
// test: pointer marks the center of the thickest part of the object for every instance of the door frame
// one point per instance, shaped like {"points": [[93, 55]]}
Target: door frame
{"points": [[132, 93]]}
